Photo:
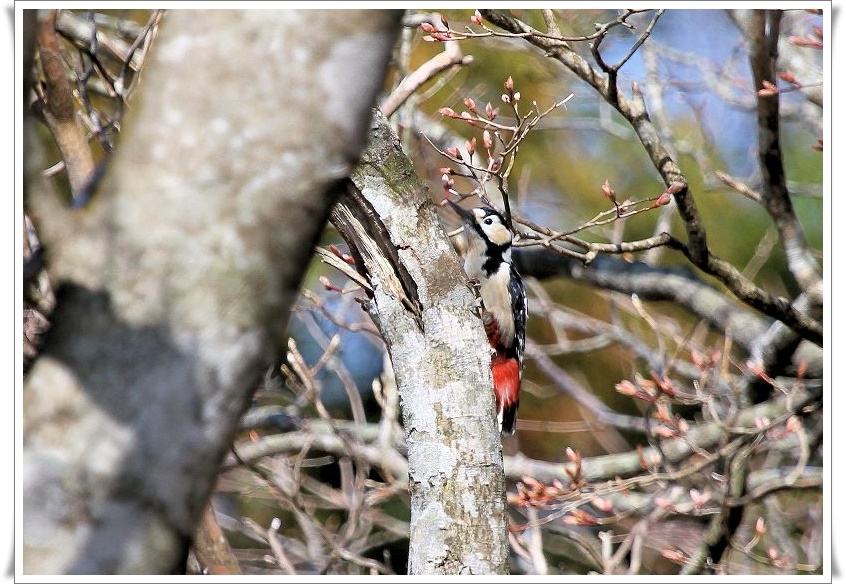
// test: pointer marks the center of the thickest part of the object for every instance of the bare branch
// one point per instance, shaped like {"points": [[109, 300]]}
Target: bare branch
{"points": [[763, 53], [59, 112]]}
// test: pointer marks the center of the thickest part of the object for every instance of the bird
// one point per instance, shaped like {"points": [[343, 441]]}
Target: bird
{"points": [[487, 260]]}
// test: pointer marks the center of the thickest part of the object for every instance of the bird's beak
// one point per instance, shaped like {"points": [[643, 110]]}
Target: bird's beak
{"points": [[466, 216]]}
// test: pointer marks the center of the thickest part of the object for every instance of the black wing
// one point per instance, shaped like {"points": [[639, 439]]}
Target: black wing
{"points": [[520, 310]]}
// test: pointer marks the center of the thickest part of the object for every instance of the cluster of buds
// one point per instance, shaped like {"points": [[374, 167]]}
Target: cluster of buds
{"points": [[779, 560], [665, 197], [652, 464], [793, 425], [574, 468], [670, 426], [642, 389], [345, 257], [482, 118], [704, 362], [648, 390], [695, 506], [580, 517], [532, 493], [434, 33], [510, 96], [472, 115], [814, 41]]}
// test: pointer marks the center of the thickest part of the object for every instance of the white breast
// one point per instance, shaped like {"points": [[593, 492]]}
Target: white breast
{"points": [[494, 292]]}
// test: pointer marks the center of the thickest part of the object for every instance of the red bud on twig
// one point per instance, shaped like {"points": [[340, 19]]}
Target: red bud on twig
{"points": [[769, 89], [491, 112], [676, 556], [788, 77], [663, 199], [328, 285], [486, 140], [609, 192], [675, 187]]}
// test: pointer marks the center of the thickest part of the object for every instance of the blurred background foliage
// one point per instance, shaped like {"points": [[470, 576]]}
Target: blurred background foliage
{"points": [[562, 164], [557, 178]]}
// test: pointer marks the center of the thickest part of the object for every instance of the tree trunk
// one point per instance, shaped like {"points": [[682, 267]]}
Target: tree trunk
{"points": [[175, 281], [423, 307]]}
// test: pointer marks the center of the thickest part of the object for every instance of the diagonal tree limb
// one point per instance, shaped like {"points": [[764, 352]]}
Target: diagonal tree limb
{"points": [[634, 111]]}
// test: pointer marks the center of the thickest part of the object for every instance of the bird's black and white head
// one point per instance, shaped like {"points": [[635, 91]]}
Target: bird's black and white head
{"points": [[488, 240]]}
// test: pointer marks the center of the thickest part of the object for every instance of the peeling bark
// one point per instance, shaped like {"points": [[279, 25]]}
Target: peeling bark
{"points": [[441, 361]]}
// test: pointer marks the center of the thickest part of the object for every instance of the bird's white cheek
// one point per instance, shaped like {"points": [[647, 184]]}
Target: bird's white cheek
{"points": [[498, 234]]}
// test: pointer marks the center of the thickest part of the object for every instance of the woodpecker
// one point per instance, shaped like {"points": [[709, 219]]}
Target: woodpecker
{"points": [[487, 260]]}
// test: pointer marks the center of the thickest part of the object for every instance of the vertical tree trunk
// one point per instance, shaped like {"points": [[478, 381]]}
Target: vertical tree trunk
{"points": [[175, 281], [423, 307]]}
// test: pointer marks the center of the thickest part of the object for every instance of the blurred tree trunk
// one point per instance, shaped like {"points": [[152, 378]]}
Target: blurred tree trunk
{"points": [[174, 282], [422, 305]]}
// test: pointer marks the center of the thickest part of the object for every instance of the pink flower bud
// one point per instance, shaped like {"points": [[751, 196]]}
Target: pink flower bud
{"points": [[495, 164], [793, 424], [490, 112], [675, 187], [665, 432], [486, 140], [470, 104], [788, 77], [768, 89], [608, 191], [476, 18], [509, 84], [626, 387], [662, 200], [674, 556], [447, 111], [601, 504]]}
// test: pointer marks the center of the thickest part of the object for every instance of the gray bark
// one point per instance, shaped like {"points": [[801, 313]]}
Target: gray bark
{"points": [[175, 281], [423, 307]]}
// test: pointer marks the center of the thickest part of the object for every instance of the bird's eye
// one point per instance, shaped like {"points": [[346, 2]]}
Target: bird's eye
{"points": [[488, 221]]}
